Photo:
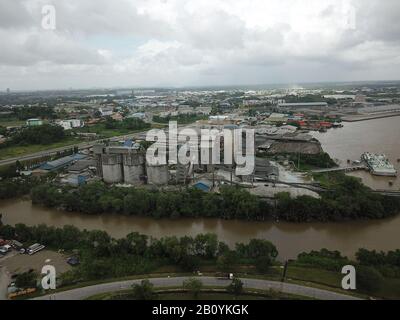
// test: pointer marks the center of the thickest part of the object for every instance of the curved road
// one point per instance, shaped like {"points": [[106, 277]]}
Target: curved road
{"points": [[83, 293]]}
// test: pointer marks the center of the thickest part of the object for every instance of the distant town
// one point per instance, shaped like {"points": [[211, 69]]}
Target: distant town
{"points": [[84, 152], [101, 132]]}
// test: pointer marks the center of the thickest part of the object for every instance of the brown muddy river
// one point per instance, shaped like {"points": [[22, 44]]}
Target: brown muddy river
{"points": [[289, 238], [381, 135]]}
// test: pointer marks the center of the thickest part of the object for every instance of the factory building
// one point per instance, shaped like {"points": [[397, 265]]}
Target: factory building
{"points": [[71, 124], [61, 163], [157, 174], [112, 168], [305, 105], [133, 167], [120, 164], [34, 122]]}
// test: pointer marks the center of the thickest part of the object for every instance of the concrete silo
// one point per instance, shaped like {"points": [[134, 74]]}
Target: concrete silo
{"points": [[157, 174], [133, 164], [112, 168]]}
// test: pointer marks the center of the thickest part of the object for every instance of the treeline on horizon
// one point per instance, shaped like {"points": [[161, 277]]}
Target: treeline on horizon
{"points": [[348, 200]]}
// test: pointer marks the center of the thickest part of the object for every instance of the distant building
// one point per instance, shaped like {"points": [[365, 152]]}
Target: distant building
{"points": [[75, 180], [277, 117], [81, 166], [204, 110], [106, 111], [34, 122], [8, 91], [203, 185], [138, 115], [117, 116], [61, 163], [304, 105], [218, 118], [360, 98], [71, 124]]}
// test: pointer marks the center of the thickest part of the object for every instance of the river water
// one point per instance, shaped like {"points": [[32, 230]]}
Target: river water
{"points": [[376, 136], [381, 135]]}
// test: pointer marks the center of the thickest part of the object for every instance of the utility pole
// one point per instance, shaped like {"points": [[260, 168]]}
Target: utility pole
{"points": [[285, 271], [298, 161], [213, 175]]}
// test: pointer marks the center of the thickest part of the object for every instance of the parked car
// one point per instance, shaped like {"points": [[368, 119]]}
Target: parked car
{"points": [[73, 261], [35, 248], [5, 249]]}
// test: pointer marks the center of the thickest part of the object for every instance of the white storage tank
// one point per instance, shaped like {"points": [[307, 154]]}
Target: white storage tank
{"points": [[112, 168], [157, 175], [133, 164]]}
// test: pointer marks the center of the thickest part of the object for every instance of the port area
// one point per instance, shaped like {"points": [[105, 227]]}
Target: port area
{"points": [[379, 164]]}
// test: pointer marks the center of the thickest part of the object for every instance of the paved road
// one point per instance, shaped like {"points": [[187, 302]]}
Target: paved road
{"points": [[81, 146], [82, 293]]}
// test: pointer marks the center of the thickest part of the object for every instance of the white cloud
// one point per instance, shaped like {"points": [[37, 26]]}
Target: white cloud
{"points": [[177, 42]]}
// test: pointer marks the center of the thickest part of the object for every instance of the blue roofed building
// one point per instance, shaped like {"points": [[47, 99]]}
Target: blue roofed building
{"points": [[62, 162], [203, 185]]}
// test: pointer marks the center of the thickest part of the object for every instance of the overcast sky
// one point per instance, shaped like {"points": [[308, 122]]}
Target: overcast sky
{"points": [[139, 43]]}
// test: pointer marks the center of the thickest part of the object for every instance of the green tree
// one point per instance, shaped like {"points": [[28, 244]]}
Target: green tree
{"points": [[143, 291], [368, 279], [194, 286], [263, 263], [226, 261], [26, 280], [236, 287]]}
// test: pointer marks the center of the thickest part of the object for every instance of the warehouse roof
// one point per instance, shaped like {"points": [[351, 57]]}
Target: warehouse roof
{"points": [[81, 165], [62, 162], [302, 104]]}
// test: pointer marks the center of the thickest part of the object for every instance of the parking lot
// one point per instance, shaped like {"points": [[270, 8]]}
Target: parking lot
{"points": [[19, 263]]}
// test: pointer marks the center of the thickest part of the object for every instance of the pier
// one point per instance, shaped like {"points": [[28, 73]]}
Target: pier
{"points": [[342, 169]]}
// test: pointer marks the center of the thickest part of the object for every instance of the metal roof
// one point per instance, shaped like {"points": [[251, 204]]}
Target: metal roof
{"points": [[300, 104], [62, 162]]}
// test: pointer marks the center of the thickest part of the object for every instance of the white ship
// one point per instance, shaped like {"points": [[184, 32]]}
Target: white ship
{"points": [[379, 165]]}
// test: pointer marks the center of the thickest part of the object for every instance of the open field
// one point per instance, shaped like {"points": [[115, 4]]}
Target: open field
{"points": [[11, 122], [16, 151]]}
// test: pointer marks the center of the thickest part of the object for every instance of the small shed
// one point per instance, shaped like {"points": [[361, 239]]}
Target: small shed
{"points": [[203, 185]]}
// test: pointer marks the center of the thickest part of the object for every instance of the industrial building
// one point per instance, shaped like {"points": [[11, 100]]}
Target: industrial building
{"points": [[34, 122], [61, 163], [124, 164], [71, 124], [305, 105]]}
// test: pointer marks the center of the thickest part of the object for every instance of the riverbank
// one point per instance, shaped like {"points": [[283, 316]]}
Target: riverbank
{"points": [[366, 117], [290, 238], [374, 136]]}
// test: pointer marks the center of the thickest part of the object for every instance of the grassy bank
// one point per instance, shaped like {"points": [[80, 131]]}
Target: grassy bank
{"points": [[11, 122], [18, 151]]}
